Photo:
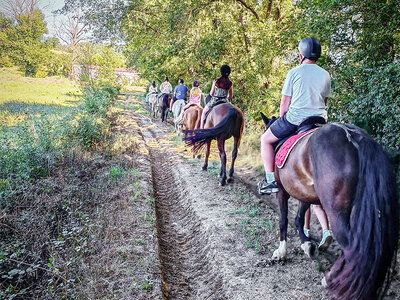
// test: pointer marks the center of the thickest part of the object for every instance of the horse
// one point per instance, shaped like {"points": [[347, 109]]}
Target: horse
{"points": [[342, 168], [164, 106], [176, 111], [192, 117], [223, 122], [153, 104]]}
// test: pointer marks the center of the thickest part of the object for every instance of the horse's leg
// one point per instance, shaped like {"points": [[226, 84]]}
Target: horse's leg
{"points": [[309, 248], [234, 155], [207, 155], [222, 156], [283, 197]]}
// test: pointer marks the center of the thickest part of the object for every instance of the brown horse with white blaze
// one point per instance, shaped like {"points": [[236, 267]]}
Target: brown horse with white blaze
{"points": [[223, 122]]}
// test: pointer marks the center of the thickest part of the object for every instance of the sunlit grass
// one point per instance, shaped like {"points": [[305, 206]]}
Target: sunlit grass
{"points": [[56, 91]]}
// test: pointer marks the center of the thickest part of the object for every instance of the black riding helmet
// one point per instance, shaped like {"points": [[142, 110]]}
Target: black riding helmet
{"points": [[310, 48]]}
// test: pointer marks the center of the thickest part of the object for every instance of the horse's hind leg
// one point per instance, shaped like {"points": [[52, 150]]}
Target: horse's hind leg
{"points": [[234, 155], [283, 197], [309, 248], [208, 145], [222, 155]]}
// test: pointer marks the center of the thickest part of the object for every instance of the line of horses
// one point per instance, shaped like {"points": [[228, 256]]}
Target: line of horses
{"points": [[339, 166]]}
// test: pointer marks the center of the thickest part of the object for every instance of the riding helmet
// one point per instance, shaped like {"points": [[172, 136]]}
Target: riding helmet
{"points": [[310, 48], [181, 81]]}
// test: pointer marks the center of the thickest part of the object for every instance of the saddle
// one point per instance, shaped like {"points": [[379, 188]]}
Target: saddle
{"points": [[211, 108], [306, 125]]}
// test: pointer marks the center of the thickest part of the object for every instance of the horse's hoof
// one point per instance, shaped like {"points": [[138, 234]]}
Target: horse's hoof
{"points": [[204, 168], [199, 156], [230, 179], [280, 253], [323, 282], [222, 183], [310, 250]]}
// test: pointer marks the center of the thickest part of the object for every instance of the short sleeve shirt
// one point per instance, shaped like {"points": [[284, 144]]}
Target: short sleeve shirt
{"points": [[180, 91], [308, 85], [165, 87]]}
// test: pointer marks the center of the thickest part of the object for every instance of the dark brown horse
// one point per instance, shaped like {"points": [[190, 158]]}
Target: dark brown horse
{"points": [[165, 101], [223, 122], [192, 117], [342, 168]]}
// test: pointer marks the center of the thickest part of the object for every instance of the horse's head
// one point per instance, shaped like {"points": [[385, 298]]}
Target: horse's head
{"points": [[268, 122]]}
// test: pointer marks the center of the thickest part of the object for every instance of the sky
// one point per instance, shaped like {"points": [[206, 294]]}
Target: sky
{"points": [[47, 7]]}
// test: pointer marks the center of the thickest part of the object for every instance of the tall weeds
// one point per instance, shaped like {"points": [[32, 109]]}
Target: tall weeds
{"points": [[31, 150]]}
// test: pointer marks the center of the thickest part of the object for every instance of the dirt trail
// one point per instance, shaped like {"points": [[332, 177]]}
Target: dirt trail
{"points": [[216, 242]]}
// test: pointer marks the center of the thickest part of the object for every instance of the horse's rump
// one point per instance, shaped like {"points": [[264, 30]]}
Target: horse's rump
{"points": [[224, 121], [354, 181], [192, 117]]}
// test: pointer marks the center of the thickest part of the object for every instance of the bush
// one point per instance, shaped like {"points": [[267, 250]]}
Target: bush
{"points": [[31, 150]]}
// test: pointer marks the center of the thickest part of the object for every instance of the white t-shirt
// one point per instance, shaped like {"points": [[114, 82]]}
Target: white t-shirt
{"points": [[166, 87], [308, 85]]}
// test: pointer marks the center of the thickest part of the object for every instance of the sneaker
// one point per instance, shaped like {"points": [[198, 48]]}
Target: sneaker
{"points": [[326, 240], [306, 232], [267, 188]]}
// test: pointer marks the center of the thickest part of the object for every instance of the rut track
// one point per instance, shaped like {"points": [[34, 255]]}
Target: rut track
{"points": [[186, 260]]}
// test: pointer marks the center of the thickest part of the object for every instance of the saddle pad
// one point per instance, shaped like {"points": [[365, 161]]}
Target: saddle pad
{"points": [[284, 150]]}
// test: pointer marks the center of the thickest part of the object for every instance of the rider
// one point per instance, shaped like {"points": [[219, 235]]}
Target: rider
{"points": [[165, 88], [194, 98], [180, 92], [221, 91], [304, 94], [152, 90]]}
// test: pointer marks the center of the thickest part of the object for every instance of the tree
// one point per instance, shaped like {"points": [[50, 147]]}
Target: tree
{"points": [[23, 45], [73, 32], [17, 8]]}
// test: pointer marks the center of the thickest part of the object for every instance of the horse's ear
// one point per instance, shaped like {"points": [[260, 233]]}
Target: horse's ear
{"points": [[265, 119]]}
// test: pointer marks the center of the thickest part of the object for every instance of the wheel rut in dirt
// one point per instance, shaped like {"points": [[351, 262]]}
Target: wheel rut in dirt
{"points": [[187, 267]]}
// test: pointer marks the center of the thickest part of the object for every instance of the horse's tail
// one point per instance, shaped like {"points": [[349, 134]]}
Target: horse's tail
{"points": [[373, 228], [199, 137]]}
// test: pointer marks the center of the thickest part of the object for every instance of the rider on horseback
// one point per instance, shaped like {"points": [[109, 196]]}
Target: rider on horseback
{"points": [[165, 88], [221, 91], [180, 92], [304, 94], [194, 99], [152, 90]]}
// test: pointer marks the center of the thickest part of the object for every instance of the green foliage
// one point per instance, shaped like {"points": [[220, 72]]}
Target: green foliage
{"points": [[31, 150], [22, 42], [108, 59]]}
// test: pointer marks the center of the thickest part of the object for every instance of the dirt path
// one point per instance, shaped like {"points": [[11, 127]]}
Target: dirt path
{"points": [[216, 242]]}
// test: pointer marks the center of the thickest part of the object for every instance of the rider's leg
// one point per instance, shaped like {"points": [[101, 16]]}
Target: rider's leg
{"points": [[267, 153], [205, 109], [307, 218], [323, 220], [268, 185]]}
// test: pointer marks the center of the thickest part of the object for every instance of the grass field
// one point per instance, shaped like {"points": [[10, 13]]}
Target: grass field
{"points": [[45, 91], [23, 97]]}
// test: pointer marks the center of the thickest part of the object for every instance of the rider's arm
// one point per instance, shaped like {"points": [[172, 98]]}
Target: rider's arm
{"points": [[212, 88], [230, 93], [285, 102]]}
